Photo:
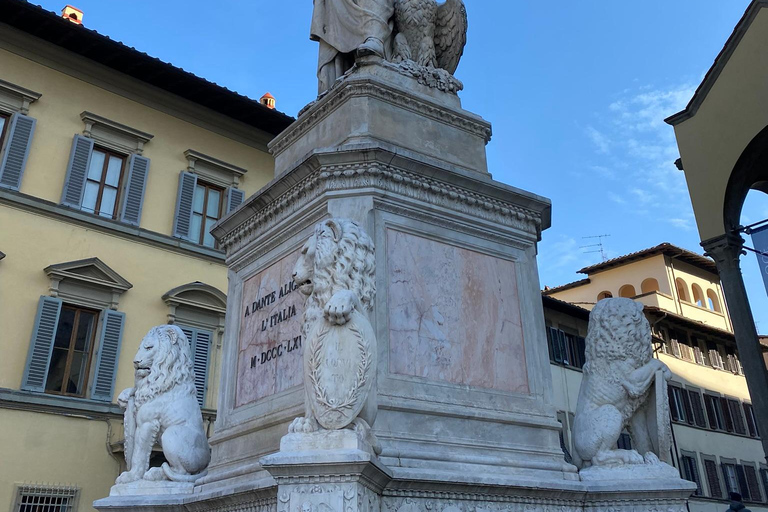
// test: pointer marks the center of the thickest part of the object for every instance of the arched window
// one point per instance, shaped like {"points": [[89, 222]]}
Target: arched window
{"points": [[650, 285], [682, 290], [698, 295], [713, 302], [604, 295], [627, 291], [199, 310]]}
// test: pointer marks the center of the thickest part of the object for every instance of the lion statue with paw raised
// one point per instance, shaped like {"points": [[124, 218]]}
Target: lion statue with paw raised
{"points": [[162, 408], [335, 272], [620, 390]]}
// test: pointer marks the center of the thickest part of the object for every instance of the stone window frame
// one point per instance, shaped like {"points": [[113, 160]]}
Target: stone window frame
{"points": [[14, 98], [213, 170], [115, 136], [718, 474], [700, 482], [187, 312], [79, 289], [71, 493]]}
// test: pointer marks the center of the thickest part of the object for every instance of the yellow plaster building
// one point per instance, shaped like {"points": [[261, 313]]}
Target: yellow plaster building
{"points": [[716, 438], [722, 135], [113, 167]]}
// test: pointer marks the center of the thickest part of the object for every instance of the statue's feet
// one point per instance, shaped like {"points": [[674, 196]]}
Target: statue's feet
{"points": [[127, 477], [651, 458], [303, 426], [371, 46]]}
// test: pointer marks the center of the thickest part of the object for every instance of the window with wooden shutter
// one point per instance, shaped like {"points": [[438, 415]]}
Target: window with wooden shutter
{"points": [[752, 483], [730, 478], [138, 171], [698, 408], [103, 183], [15, 140], [110, 339], [749, 414], [713, 480], [550, 341], [714, 415], [764, 479], [235, 198], [677, 404], [41, 345], [70, 361], [77, 171], [690, 472], [724, 407], [184, 201], [687, 406], [738, 420], [741, 477], [200, 345]]}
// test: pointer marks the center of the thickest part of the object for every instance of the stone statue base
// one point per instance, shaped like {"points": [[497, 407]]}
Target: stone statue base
{"points": [[648, 472], [149, 488], [324, 441]]}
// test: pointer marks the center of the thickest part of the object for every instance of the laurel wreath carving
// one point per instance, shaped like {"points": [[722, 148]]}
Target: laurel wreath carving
{"points": [[315, 365]]}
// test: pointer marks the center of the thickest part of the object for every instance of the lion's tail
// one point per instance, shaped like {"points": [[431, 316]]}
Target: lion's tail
{"points": [[178, 477]]}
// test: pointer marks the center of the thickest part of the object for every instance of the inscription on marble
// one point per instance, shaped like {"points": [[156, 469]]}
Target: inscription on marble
{"points": [[454, 315], [270, 347]]}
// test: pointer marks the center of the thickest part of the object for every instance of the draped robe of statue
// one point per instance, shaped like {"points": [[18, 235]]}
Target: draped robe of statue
{"points": [[343, 27]]}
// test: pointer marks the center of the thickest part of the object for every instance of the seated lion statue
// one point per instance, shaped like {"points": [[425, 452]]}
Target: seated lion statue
{"points": [[616, 391], [335, 272], [162, 408]]}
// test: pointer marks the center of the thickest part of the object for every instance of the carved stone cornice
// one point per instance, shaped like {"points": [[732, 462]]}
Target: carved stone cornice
{"points": [[379, 178], [351, 88]]}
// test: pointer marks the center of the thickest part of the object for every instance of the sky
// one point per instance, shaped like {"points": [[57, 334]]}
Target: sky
{"points": [[576, 92]]}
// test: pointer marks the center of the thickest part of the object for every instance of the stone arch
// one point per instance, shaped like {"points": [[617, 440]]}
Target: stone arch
{"points": [[604, 295], [628, 291], [698, 296], [713, 301], [198, 297], [650, 285], [682, 289], [749, 173]]}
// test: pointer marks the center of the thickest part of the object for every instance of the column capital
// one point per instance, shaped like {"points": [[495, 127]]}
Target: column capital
{"points": [[726, 250]]}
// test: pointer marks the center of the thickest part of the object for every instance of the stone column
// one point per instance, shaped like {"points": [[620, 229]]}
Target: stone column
{"points": [[726, 250]]}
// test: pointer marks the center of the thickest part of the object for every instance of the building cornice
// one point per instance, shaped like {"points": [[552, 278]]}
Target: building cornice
{"points": [[719, 65], [61, 213]]}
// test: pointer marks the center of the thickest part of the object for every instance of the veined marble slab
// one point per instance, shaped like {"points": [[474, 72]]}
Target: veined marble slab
{"points": [[269, 359], [454, 315]]}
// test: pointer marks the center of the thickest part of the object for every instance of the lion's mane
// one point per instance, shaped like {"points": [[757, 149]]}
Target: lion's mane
{"points": [[342, 262], [618, 332], [172, 366]]}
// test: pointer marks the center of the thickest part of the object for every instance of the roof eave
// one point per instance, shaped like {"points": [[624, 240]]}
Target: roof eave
{"points": [[719, 64]]}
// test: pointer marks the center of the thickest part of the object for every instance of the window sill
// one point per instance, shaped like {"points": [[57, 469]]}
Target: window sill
{"points": [[55, 404], [566, 366], [707, 429], [113, 227]]}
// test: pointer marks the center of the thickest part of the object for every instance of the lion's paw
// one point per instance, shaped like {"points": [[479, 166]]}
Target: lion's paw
{"points": [[339, 308], [127, 477], [651, 458], [303, 426], [155, 475]]}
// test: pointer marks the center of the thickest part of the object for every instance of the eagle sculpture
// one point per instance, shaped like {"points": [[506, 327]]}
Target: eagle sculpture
{"points": [[429, 34]]}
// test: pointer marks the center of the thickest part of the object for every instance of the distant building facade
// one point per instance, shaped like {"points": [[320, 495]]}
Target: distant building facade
{"points": [[716, 439], [113, 168]]}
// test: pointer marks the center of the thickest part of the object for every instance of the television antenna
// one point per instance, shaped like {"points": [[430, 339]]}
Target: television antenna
{"points": [[599, 247]]}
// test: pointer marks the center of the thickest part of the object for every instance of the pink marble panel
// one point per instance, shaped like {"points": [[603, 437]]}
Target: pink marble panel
{"points": [[269, 359], [454, 315]]}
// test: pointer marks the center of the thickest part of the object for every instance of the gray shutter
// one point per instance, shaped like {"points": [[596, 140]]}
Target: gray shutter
{"points": [[138, 168], [200, 346], [16, 150], [235, 198], [109, 351], [77, 170], [184, 198], [41, 346]]}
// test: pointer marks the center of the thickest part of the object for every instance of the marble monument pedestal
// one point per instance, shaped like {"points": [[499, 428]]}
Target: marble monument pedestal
{"points": [[465, 415]]}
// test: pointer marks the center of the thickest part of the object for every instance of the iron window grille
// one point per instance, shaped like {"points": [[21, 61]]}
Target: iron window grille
{"points": [[42, 498]]}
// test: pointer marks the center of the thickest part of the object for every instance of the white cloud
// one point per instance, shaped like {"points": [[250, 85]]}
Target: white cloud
{"points": [[600, 141]]}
